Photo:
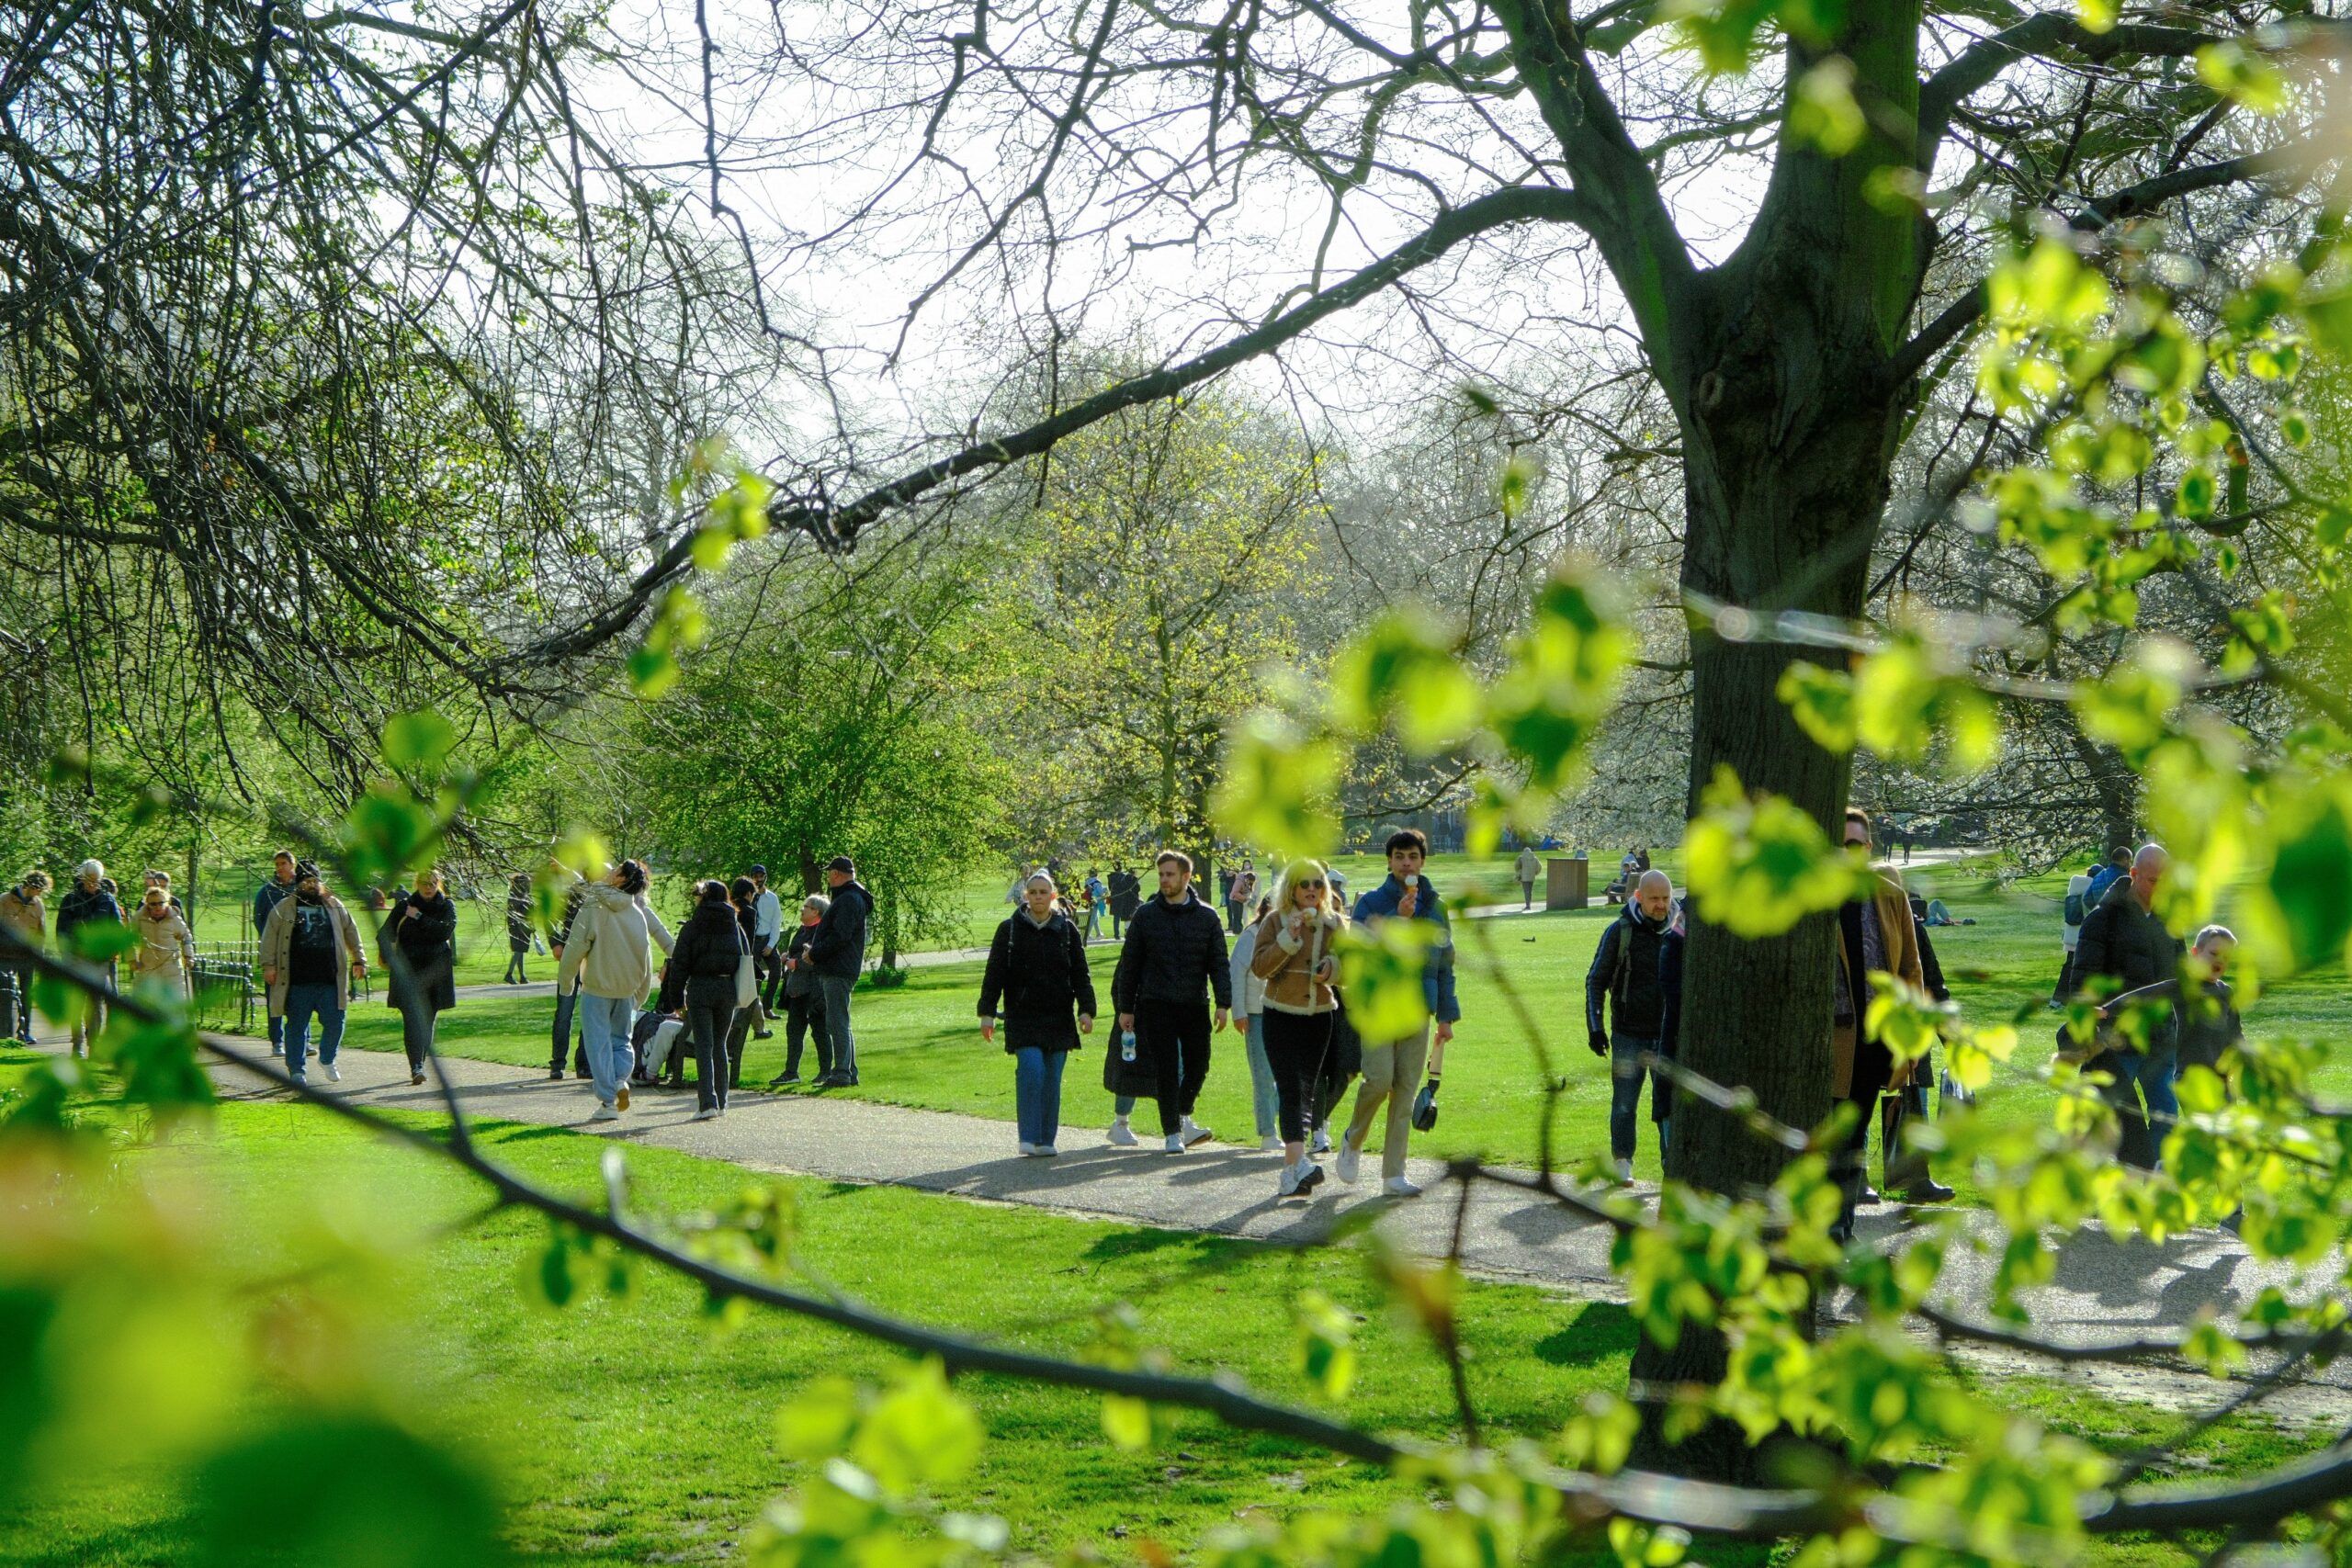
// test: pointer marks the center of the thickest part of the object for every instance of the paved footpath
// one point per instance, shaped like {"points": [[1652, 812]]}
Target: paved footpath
{"points": [[2102, 1289]]}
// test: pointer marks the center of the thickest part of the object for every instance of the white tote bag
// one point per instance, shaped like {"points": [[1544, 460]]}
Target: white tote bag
{"points": [[747, 974]]}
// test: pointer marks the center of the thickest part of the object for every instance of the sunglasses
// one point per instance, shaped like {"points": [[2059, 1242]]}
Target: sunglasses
{"points": [[1316, 886]]}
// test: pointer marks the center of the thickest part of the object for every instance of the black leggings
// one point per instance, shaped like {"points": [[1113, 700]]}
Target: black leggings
{"points": [[1176, 1035], [802, 1017], [710, 1022], [1296, 1046]]}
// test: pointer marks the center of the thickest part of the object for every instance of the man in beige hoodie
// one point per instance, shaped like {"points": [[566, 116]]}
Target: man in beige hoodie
{"points": [[606, 955]]}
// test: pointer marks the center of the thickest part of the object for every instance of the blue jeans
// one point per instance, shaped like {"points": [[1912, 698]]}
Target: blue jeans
{"points": [[1625, 1075], [1265, 1104], [276, 1028], [605, 1023], [303, 1004], [2149, 1073], [1037, 1093]]}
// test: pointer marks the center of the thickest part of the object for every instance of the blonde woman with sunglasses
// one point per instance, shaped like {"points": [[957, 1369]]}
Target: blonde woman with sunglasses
{"points": [[1296, 956]]}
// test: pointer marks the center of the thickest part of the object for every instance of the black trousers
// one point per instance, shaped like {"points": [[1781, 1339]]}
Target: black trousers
{"points": [[710, 1024], [1849, 1164], [417, 1020], [1176, 1036], [803, 1015], [771, 968], [1297, 1044]]}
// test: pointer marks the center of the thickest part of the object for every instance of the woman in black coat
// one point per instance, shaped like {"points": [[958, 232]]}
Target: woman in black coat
{"points": [[518, 928], [1038, 970], [708, 952], [419, 952]]}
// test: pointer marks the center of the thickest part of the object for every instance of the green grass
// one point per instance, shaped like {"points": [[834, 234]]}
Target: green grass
{"points": [[626, 1430]]}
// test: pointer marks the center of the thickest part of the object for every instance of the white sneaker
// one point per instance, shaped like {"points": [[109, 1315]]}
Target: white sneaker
{"points": [[1027, 1148], [1322, 1143], [708, 1114], [1287, 1183], [1397, 1187], [604, 1113], [1347, 1162], [299, 1075], [1122, 1134], [334, 1074], [1047, 1151], [1625, 1170], [1193, 1133], [1269, 1144], [279, 1049], [1175, 1143]]}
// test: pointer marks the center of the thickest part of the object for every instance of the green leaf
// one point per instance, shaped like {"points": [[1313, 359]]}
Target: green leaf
{"points": [[1326, 1353], [1381, 966], [816, 1424], [1404, 667], [920, 1434], [1822, 702], [1562, 678], [418, 741], [1822, 111], [2310, 881], [1279, 789], [403, 1502], [652, 671], [97, 941], [1126, 1422], [1757, 866]]}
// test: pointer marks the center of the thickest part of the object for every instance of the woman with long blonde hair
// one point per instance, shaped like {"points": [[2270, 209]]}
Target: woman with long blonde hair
{"points": [[1297, 957]]}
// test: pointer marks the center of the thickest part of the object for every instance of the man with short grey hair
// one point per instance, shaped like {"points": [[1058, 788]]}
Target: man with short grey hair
{"points": [[1626, 987], [837, 953]]}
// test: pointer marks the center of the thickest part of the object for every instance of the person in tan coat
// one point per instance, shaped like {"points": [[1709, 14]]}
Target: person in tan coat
{"points": [[1875, 935], [166, 950], [311, 953], [23, 911], [1296, 956]]}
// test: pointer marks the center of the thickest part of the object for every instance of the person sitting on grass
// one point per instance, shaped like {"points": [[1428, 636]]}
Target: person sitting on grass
{"points": [[1037, 973]]}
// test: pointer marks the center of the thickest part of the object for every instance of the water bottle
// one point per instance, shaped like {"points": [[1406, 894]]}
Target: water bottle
{"points": [[1126, 1044]]}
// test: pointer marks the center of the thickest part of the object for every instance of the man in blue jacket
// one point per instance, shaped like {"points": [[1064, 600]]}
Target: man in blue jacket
{"points": [[276, 891], [1392, 1069]]}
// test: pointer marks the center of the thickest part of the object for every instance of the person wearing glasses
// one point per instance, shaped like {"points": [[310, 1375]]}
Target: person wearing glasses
{"points": [[1296, 956]]}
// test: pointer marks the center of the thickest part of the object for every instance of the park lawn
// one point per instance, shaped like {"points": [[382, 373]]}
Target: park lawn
{"points": [[919, 1044], [627, 1429], [624, 1430]]}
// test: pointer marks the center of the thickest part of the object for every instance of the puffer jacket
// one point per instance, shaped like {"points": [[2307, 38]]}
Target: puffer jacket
{"points": [[1038, 978], [605, 951], [1170, 950], [709, 949], [1297, 967]]}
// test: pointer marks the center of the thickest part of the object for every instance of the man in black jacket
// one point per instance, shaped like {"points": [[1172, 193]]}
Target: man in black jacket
{"points": [[1627, 979], [2124, 941], [1173, 943], [837, 953]]}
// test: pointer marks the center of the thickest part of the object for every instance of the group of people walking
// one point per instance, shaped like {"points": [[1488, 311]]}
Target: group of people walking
{"points": [[1175, 986], [162, 951]]}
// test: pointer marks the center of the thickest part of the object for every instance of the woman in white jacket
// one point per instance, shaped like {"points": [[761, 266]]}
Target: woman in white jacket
{"points": [[605, 951]]}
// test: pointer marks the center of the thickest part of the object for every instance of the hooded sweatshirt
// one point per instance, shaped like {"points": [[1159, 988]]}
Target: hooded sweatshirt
{"points": [[606, 950]]}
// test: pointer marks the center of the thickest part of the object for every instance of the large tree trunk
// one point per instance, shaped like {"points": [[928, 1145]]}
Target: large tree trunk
{"points": [[1786, 487]]}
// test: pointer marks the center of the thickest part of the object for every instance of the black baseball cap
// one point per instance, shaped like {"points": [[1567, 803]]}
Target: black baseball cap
{"points": [[759, 871], [841, 862]]}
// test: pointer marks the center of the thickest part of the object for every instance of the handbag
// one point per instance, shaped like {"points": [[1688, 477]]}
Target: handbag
{"points": [[1425, 1107], [747, 974]]}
